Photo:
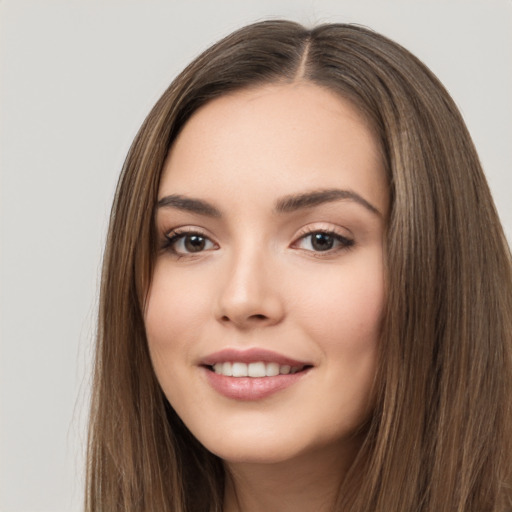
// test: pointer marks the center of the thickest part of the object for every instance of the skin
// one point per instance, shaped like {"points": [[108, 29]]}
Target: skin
{"points": [[259, 281]]}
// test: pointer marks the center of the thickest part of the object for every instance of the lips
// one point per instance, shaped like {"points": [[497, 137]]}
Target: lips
{"points": [[252, 374], [253, 355]]}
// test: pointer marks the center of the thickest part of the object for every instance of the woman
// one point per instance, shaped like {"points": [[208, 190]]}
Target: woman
{"points": [[307, 294]]}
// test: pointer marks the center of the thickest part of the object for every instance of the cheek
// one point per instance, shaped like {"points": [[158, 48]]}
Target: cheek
{"points": [[344, 318], [345, 309], [173, 317], [177, 302]]}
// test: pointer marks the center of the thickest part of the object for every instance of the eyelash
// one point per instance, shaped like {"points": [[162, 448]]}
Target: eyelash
{"points": [[344, 242], [176, 235]]}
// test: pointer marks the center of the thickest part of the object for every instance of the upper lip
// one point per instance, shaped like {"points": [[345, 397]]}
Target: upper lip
{"points": [[252, 355]]}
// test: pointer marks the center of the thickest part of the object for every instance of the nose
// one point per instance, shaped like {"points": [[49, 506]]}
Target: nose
{"points": [[249, 294]]}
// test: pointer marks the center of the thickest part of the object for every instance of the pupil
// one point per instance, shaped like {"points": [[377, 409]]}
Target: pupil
{"points": [[194, 243], [322, 242]]}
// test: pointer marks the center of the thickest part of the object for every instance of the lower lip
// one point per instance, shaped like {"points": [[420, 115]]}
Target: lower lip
{"points": [[251, 388]]}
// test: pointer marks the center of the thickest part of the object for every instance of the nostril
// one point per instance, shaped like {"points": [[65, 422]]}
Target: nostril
{"points": [[258, 318]]}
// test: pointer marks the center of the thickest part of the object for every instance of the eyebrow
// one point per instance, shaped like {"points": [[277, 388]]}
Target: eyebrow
{"points": [[309, 199], [286, 204], [189, 204]]}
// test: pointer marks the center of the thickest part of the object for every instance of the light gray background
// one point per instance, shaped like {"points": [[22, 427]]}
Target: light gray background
{"points": [[77, 79]]}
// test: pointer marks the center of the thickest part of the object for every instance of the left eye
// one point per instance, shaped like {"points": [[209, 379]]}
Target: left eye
{"points": [[188, 243], [322, 241]]}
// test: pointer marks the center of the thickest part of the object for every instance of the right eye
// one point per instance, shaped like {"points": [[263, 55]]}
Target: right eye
{"points": [[189, 242]]}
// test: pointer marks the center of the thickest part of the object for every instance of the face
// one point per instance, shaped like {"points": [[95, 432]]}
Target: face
{"points": [[265, 307]]}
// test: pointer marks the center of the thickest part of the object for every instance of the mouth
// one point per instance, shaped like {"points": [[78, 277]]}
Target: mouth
{"points": [[252, 374], [253, 362], [255, 369]]}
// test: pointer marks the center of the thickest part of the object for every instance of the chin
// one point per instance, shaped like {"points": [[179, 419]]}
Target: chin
{"points": [[265, 446], [255, 455], [246, 449]]}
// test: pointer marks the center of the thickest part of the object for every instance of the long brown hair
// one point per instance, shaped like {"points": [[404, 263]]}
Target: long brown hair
{"points": [[439, 438]]}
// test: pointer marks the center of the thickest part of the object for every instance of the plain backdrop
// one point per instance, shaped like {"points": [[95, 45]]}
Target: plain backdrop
{"points": [[77, 79]]}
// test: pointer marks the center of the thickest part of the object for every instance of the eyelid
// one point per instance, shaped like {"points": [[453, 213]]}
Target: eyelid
{"points": [[185, 229], [173, 235], [346, 241]]}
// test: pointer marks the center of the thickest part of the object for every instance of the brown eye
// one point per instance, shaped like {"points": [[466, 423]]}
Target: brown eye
{"points": [[188, 243], [323, 241], [194, 243]]}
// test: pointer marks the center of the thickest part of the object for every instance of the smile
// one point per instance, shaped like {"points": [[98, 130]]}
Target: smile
{"points": [[256, 369], [252, 374]]}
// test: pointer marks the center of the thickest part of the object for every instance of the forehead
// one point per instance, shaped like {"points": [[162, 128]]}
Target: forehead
{"points": [[275, 140]]}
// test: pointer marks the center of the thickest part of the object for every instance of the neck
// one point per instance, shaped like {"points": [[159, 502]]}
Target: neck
{"points": [[307, 483]]}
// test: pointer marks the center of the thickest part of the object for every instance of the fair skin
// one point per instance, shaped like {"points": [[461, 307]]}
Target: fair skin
{"points": [[291, 287]]}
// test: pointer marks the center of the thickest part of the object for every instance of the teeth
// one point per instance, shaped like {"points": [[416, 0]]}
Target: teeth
{"points": [[239, 370], [227, 369], [272, 369], [285, 370], [258, 369]]}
